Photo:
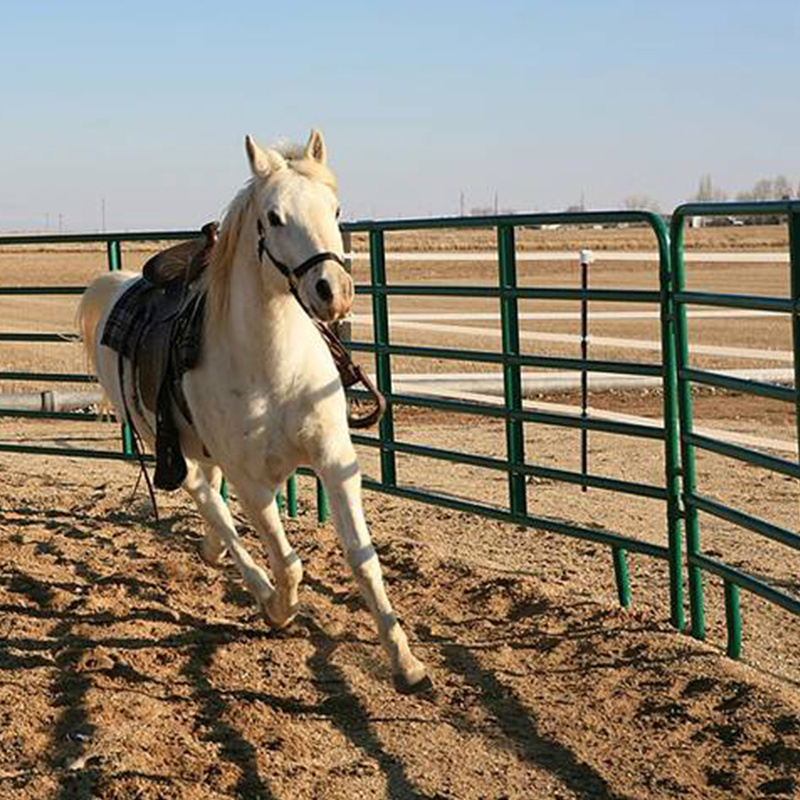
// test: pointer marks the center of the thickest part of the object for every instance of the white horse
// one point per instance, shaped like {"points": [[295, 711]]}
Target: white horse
{"points": [[266, 395]]}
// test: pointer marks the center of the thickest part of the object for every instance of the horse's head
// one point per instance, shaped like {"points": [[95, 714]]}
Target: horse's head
{"points": [[297, 232]]}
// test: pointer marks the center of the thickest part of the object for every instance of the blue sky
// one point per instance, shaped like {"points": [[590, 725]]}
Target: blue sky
{"points": [[144, 106]]}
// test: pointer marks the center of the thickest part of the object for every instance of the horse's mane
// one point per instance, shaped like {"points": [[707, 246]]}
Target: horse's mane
{"points": [[235, 220]]}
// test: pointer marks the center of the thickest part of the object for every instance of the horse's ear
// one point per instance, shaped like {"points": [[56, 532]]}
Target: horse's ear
{"points": [[262, 162], [315, 149]]}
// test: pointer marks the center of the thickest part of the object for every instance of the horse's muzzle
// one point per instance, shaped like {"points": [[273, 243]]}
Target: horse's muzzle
{"points": [[331, 295]]}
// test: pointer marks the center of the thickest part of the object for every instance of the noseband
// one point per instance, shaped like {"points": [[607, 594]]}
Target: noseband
{"points": [[293, 275]]}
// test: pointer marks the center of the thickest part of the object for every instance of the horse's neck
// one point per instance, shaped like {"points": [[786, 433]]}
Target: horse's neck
{"points": [[260, 331]]}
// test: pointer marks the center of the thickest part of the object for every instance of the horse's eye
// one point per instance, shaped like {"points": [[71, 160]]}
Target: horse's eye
{"points": [[338, 212], [274, 219]]}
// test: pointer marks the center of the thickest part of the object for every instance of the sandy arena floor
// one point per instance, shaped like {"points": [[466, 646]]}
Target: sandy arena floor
{"points": [[129, 669]]}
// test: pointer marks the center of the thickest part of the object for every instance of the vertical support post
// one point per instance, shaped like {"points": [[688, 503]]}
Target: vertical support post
{"points": [[114, 257], [512, 379], [669, 386], [343, 329], [674, 307], [322, 503], [586, 258], [622, 577], [279, 501], [733, 620], [291, 496], [380, 321], [793, 220], [224, 491]]}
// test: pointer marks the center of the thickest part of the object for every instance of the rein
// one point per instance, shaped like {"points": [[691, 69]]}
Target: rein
{"points": [[349, 372]]}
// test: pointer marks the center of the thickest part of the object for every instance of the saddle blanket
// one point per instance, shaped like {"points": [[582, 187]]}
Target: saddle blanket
{"points": [[128, 319]]}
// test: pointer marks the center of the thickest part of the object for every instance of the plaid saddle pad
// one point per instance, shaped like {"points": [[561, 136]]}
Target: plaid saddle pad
{"points": [[128, 319]]}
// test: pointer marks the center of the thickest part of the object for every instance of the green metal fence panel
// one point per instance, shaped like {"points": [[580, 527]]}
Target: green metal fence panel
{"points": [[512, 412], [516, 464], [690, 441]]}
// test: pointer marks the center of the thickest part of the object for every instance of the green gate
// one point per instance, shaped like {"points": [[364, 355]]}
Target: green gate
{"points": [[517, 465], [694, 501]]}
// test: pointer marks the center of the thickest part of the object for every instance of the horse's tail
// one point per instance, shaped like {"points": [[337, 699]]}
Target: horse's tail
{"points": [[93, 305]]}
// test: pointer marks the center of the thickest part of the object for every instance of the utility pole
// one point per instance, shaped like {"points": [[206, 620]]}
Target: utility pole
{"points": [[102, 215], [461, 204]]}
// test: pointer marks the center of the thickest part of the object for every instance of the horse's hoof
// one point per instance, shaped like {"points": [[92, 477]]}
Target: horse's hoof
{"points": [[210, 554], [404, 686], [276, 626], [276, 623]]}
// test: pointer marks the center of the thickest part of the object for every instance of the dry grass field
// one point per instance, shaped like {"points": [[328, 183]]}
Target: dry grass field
{"points": [[128, 669]]}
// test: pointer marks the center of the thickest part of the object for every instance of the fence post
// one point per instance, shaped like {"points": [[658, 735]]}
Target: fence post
{"points": [[684, 401], [114, 252], [512, 379], [669, 386], [794, 267], [383, 369], [586, 258]]}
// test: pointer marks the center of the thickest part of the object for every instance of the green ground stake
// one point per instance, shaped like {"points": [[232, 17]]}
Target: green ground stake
{"points": [[224, 491], [279, 500], [621, 576], [322, 502], [733, 620], [291, 496]]}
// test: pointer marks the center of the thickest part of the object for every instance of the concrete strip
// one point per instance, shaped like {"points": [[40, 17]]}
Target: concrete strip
{"points": [[733, 437], [778, 257], [493, 316], [599, 341]]}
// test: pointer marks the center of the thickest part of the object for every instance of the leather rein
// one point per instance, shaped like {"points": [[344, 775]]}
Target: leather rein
{"points": [[349, 372]]}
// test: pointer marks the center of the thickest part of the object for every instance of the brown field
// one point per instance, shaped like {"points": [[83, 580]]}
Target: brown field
{"points": [[129, 669]]}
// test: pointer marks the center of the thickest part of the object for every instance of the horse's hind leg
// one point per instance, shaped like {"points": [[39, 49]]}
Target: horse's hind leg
{"points": [[343, 484], [218, 518], [287, 570]]}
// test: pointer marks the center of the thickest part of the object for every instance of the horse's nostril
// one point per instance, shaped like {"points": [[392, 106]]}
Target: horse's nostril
{"points": [[324, 290]]}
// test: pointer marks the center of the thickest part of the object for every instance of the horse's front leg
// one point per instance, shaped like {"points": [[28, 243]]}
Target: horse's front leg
{"points": [[342, 481], [287, 570], [212, 548], [220, 526]]}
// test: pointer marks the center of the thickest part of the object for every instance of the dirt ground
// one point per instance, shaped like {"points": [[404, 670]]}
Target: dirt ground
{"points": [[130, 669]]}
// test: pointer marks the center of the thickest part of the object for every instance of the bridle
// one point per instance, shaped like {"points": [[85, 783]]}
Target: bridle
{"points": [[350, 373], [293, 275]]}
